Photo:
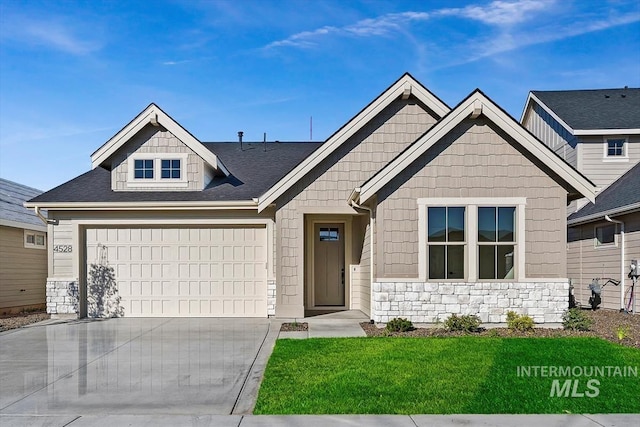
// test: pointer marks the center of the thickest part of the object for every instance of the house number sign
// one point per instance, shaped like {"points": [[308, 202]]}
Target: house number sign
{"points": [[62, 248]]}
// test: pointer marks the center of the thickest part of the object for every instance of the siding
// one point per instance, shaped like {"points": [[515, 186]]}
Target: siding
{"points": [[153, 139], [553, 134], [473, 160], [361, 272], [20, 268], [331, 183], [586, 261], [601, 171]]}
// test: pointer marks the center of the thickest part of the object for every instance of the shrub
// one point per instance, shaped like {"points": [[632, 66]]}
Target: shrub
{"points": [[518, 322], [575, 319], [466, 323], [399, 325], [622, 332]]}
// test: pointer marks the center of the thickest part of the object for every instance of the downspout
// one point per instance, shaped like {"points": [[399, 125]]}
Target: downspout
{"points": [[622, 264], [355, 205], [47, 221]]}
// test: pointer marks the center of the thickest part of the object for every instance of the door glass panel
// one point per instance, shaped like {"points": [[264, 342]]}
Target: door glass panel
{"points": [[329, 234]]}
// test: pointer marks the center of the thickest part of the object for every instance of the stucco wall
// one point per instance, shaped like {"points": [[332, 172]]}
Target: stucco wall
{"points": [[153, 139], [473, 160], [330, 184], [585, 261]]}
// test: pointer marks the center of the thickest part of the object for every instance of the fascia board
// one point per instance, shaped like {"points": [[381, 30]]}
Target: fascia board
{"points": [[24, 225], [354, 125], [622, 210], [196, 205], [606, 132], [416, 150]]}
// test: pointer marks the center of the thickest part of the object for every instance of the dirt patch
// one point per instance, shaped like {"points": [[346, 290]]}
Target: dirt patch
{"points": [[606, 324], [19, 320], [294, 327]]}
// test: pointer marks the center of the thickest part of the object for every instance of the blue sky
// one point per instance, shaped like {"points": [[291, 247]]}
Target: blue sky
{"points": [[72, 73]]}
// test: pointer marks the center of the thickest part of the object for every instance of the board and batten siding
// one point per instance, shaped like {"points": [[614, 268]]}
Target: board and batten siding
{"points": [[150, 140], [553, 134], [600, 170], [586, 261], [330, 184], [473, 160], [23, 272]]}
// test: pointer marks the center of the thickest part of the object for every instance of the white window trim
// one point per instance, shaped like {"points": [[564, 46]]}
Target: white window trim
{"points": [[613, 244], [625, 149], [34, 245], [471, 215], [157, 180]]}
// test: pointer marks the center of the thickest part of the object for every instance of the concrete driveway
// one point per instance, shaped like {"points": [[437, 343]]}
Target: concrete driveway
{"points": [[129, 366]]}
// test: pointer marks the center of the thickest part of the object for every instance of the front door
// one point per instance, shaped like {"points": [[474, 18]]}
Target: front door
{"points": [[328, 265]]}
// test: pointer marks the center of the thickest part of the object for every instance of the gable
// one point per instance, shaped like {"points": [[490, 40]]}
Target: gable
{"points": [[474, 106], [403, 88]]}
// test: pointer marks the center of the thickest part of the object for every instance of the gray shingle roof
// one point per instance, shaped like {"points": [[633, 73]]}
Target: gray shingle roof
{"points": [[12, 196], [595, 109], [625, 191], [253, 171]]}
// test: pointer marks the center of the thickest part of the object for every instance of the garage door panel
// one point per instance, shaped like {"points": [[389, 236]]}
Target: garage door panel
{"points": [[216, 271]]}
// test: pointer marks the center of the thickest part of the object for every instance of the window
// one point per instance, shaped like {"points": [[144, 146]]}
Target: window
{"points": [[615, 148], [446, 241], [143, 169], [170, 169], [33, 239], [329, 234], [605, 235], [479, 238], [496, 242]]}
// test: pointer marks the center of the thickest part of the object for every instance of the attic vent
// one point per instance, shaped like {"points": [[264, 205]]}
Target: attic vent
{"points": [[607, 96]]}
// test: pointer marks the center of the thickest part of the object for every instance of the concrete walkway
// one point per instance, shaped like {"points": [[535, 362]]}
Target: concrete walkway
{"points": [[614, 420], [333, 325]]}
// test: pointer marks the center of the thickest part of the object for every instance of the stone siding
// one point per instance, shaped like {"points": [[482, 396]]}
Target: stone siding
{"points": [[62, 297], [431, 302]]}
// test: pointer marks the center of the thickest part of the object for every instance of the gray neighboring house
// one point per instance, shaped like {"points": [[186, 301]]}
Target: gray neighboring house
{"points": [[23, 250], [411, 209], [599, 248], [595, 131]]}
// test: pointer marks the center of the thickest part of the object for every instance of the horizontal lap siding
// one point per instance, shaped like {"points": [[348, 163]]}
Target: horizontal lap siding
{"points": [[602, 172], [585, 261], [473, 160], [331, 183], [20, 268]]}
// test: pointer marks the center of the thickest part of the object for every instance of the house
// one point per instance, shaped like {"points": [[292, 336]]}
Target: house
{"points": [[23, 251], [410, 209], [595, 131], [603, 238]]}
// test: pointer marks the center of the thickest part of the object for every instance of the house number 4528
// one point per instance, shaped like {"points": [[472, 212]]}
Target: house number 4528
{"points": [[62, 248]]}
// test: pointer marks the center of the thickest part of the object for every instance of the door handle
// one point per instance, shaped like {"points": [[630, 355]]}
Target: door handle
{"points": [[342, 273]]}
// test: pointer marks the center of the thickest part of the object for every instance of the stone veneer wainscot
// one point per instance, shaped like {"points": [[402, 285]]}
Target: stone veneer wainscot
{"points": [[431, 302]]}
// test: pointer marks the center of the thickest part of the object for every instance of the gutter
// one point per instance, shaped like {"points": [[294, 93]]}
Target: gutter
{"points": [[47, 221], [622, 264], [207, 205], [611, 212]]}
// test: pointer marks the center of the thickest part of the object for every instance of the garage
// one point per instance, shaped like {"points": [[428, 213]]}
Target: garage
{"points": [[216, 271]]}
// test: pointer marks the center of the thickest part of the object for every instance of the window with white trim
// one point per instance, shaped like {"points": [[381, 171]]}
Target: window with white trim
{"points": [[170, 168], [143, 168], [33, 239], [615, 148], [446, 242], [472, 239], [157, 170], [605, 235]]}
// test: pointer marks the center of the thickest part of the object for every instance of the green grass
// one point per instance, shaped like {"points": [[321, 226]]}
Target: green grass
{"points": [[440, 376]]}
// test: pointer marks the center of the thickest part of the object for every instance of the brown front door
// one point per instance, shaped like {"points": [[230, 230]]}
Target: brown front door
{"points": [[328, 265]]}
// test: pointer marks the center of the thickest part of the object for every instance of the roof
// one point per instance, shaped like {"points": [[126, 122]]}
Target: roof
{"points": [[252, 169], [622, 196], [596, 109], [404, 87], [12, 212], [155, 116], [476, 104]]}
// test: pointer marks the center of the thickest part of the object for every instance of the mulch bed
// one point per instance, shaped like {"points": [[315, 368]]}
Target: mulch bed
{"points": [[605, 325], [294, 327], [22, 319]]}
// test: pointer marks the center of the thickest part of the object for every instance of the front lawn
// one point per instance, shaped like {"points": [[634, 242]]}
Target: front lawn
{"points": [[446, 376]]}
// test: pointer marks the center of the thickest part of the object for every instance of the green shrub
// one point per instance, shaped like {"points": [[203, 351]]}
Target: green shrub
{"points": [[576, 319], [399, 325], [466, 323], [518, 322]]}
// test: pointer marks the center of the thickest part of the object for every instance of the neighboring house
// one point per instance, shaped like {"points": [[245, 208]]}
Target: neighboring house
{"points": [[595, 131], [23, 251], [598, 248], [411, 209]]}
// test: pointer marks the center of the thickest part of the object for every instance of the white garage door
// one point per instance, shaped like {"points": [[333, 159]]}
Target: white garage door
{"points": [[172, 271]]}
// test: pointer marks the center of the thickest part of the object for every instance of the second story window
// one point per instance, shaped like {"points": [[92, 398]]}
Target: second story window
{"points": [[615, 147], [170, 169], [143, 169]]}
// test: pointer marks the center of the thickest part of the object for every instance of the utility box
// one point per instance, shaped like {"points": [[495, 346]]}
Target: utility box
{"points": [[634, 269]]}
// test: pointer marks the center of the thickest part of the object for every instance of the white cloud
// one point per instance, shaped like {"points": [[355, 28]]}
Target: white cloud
{"points": [[500, 12]]}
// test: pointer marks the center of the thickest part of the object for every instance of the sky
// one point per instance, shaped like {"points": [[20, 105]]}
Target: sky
{"points": [[73, 73]]}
